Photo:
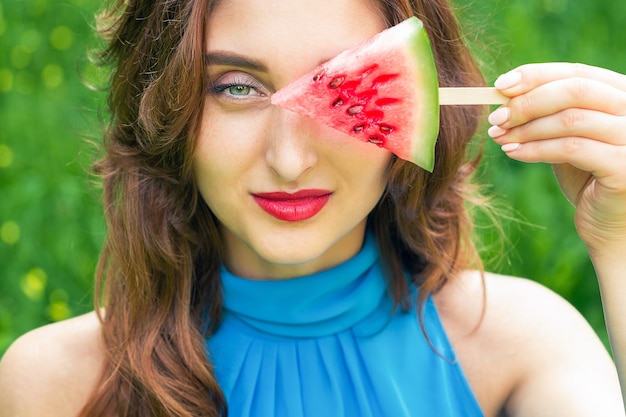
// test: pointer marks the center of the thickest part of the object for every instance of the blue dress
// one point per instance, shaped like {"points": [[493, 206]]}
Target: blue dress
{"points": [[330, 344]]}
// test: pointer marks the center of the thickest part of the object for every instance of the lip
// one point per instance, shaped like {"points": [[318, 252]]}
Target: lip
{"points": [[293, 207]]}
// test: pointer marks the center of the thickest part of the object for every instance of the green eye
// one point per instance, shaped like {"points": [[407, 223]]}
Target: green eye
{"points": [[236, 90], [238, 86], [240, 90]]}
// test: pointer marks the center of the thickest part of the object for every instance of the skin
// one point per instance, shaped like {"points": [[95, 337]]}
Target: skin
{"points": [[248, 146], [580, 131], [531, 355]]}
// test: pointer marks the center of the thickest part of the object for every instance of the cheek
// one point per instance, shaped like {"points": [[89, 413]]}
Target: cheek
{"points": [[372, 169], [211, 155], [217, 183], [227, 143], [368, 179], [379, 176], [228, 153], [379, 172]]}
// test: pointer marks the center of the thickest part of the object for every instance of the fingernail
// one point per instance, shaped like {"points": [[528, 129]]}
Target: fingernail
{"points": [[508, 80], [499, 116], [496, 131], [510, 147]]}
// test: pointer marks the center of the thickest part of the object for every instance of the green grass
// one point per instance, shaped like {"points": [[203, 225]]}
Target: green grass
{"points": [[51, 226]]}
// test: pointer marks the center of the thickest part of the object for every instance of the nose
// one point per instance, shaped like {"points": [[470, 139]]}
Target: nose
{"points": [[291, 149]]}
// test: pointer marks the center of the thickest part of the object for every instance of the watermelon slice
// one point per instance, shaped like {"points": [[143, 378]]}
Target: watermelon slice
{"points": [[384, 91]]}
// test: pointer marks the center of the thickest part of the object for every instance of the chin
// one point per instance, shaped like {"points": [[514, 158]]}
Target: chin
{"points": [[292, 260], [284, 252], [292, 255]]}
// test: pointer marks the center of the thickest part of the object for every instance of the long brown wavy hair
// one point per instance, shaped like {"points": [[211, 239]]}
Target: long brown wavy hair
{"points": [[158, 289]]}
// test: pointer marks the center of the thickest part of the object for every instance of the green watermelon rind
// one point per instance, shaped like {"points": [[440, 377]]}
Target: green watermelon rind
{"points": [[406, 45], [427, 84]]}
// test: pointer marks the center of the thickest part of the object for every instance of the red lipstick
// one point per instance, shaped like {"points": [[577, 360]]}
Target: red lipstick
{"points": [[293, 207]]}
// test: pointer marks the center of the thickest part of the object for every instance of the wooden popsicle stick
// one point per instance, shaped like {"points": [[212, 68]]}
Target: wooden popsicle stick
{"points": [[470, 95]]}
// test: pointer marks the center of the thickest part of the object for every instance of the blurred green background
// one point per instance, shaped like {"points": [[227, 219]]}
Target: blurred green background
{"points": [[51, 225]]}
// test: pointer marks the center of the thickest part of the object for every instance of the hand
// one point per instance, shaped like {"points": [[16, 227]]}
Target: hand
{"points": [[574, 117]]}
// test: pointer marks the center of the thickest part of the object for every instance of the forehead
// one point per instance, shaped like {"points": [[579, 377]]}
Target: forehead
{"points": [[300, 32]]}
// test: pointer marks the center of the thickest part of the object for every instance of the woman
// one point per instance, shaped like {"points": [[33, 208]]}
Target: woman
{"points": [[212, 301]]}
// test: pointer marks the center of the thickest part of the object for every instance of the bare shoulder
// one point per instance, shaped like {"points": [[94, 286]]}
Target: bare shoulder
{"points": [[498, 301], [527, 351], [52, 370]]}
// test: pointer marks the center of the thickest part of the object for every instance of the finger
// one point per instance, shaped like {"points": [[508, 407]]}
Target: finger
{"points": [[559, 95], [526, 77], [604, 161], [570, 122]]}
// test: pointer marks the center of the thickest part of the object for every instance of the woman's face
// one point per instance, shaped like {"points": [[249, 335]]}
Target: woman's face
{"points": [[291, 195]]}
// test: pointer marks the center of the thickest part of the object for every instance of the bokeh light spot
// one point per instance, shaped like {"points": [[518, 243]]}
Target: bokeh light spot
{"points": [[52, 76], [61, 38], [33, 284], [6, 156], [58, 309], [10, 232], [6, 80]]}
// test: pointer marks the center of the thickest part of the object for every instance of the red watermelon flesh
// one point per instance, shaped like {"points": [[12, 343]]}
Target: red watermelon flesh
{"points": [[384, 91]]}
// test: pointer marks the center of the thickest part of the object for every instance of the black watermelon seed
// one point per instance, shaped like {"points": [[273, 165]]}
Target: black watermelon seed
{"points": [[319, 75], [336, 82], [354, 110]]}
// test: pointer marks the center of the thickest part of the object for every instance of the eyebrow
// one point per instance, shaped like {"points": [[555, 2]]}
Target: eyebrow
{"points": [[233, 60]]}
